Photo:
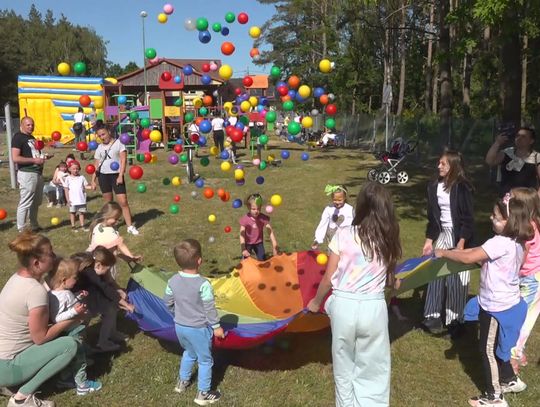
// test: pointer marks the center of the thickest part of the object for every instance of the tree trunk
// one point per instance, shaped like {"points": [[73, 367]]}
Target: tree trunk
{"points": [[510, 69], [524, 75], [402, 57], [435, 87], [467, 69], [429, 63], [445, 69]]}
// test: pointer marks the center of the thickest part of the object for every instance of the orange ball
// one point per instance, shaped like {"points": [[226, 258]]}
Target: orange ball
{"points": [[198, 120], [208, 193], [3, 214], [226, 197], [324, 99], [221, 192], [85, 100], [294, 82], [227, 48], [208, 100], [285, 98], [254, 52]]}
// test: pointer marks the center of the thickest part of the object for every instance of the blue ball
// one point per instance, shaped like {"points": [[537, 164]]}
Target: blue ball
{"points": [[202, 141], [205, 37], [224, 155], [122, 100], [199, 183], [206, 79], [179, 141], [260, 108], [292, 93], [291, 138], [285, 154], [224, 31], [263, 101], [177, 79], [280, 83], [318, 92], [205, 126], [304, 156], [237, 203], [188, 70], [226, 123], [299, 98], [259, 180], [240, 125], [240, 182], [115, 166], [92, 145]]}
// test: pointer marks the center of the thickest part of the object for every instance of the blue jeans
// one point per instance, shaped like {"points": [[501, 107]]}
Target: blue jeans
{"points": [[258, 249], [197, 344]]}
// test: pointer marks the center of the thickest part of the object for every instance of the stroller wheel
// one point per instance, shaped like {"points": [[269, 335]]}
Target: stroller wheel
{"points": [[372, 174], [383, 177], [402, 177]]}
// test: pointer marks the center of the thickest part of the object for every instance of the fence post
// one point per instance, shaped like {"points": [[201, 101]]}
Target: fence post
{"points": [[7, 112]]}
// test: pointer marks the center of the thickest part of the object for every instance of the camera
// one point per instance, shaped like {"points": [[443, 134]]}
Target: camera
{"points": [[507, 129]]}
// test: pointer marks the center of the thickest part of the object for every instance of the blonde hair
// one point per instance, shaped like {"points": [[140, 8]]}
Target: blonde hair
{"points": [[254, 198], [108, 211], [187, 254], [28, 246], [65, 269], [100, 254], [529, 196]]}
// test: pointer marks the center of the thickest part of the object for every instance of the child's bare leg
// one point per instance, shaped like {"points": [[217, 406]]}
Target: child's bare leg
{"points": [[81, 219], [72, 219]]}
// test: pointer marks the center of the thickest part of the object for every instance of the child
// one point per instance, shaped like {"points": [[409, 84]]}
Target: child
{"points": [[251, 229], [191, 298], [55, 190], [362, 261], [338, 215], [501, 309], [529, 274], [104, 295], [75, 185], [63, 305]]}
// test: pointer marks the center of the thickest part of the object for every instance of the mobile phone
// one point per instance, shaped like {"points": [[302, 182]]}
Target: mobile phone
{"points": [[507, 129]]}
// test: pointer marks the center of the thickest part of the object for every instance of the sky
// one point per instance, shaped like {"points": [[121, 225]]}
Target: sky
{"points": [[119, 23]]}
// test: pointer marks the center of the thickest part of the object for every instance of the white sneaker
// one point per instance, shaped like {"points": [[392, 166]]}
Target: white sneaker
{"points": [[515, 386], [133, 230], [50, 205]]}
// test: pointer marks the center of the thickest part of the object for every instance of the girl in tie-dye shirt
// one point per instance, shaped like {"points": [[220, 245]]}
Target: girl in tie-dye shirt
{"points": [[362, 261]]}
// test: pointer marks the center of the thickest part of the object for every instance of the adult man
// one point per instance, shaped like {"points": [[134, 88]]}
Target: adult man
{"points": [[217, 129], [30, 162]]}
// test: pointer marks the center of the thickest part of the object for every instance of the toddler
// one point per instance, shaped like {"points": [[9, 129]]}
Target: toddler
{"points": [[55, 190], [251, 229], [75, 186]]}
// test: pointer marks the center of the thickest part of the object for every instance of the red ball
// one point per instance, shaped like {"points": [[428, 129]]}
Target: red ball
{"points": [[135, 172], [227, 229], [145, 134], [238, 91], [85, 100], [90, 169], [208, 193], [166, 76], [331, 109], [147, 157], [39, 144], [82, 146], [229, 129], [205, 67], [237, 135], [282, 90], [208, 100], [227, 48], [194, 138], [178, 148], [226, 197], [247, 81], [3, 214], [56, 135], [221, 192], [176, 198], [242, 18]]}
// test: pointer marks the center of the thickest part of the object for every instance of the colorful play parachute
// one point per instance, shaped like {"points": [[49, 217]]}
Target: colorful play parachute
{"points": [[255, 302]]}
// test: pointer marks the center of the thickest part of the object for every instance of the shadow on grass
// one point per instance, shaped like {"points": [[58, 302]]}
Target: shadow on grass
{"points": [[7, 225], [142, 217]]}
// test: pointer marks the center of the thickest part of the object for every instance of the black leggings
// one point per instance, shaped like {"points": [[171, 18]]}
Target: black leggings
{"points": [[219, 138]]}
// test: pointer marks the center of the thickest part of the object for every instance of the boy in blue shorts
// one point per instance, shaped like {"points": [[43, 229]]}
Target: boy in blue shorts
{"points": [[191, 297]]}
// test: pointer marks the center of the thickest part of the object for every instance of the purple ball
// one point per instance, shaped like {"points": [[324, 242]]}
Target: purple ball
{"points": [[173, 159], [125, 139]]}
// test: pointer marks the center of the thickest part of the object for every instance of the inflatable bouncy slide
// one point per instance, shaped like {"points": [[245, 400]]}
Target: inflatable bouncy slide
{"points": [[258, 300], [53, 100]]}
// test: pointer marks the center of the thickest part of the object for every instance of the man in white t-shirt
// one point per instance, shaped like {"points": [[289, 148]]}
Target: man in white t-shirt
{"points": [[217, 130]]}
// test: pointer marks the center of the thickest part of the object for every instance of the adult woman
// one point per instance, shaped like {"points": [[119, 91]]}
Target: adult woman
{"points": [[450, 224], [519, 163], [30, 350], [110, 162], [79, 128]]}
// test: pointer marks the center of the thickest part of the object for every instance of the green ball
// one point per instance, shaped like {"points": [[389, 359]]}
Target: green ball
{"points": [[202, 24], [141, 188], [145, 122], [271, 116], [150, 53], [203, 111], [178, 102], [263, 139], [173, 208], [188, 117], [230, 17], [205, 161], [133, 116], [216, 27], [79, 68], [294, 128], [262, 165], [275, 72], [183, 158], [244, 120], [330, 123], [166, 181], [140, 158], [288, 105]]}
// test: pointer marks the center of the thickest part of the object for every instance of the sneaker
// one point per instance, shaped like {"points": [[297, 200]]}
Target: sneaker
{"points": [[107, 347], [74, 229], [432, 325], [205, 398], [59, 205], [50, 205], [182, 385], [488, 400], [31, 401], [88, 386], [85, 229], [514, 386], [133, 230]]}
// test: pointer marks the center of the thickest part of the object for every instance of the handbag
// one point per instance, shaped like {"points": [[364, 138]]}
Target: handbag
{"points": [[104, 158]]}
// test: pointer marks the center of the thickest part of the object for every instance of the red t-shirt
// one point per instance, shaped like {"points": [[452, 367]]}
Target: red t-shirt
{"points": [[254, 227]]}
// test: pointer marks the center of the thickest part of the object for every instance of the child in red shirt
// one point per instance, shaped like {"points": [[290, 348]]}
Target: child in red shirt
{"points": [[251, 229]]}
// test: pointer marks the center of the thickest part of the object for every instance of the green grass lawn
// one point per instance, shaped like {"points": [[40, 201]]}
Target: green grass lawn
{"points": [[297, 370]]}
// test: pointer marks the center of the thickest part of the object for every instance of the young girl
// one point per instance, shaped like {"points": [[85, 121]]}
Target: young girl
{"points": [[105, 297], [362, 261], [335, 216], [75, 186], [55, 190], [63, 305], [529, 274], [450, 224], [502, 311], [251, 229]]}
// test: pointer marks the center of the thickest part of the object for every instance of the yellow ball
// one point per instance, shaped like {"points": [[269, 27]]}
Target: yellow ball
{"points": [[155, 136], [154, 159], [322, 259], [55, 221], [276, 200], [227, 106], [225, 144], [197, 102], [307, 122], [254, 32], [253, 101], [212, 218], [304, 91], [98, 102], [245, 106], [325, 66], [225, 166], [176, 181], [225, 72], [162, 18], [63, 68], [214, 150], [270, 158], [238, 174]]}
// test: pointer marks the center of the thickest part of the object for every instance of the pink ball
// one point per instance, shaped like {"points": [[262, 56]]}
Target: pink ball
{"points": [[269, 209], [168, 9], [213, 67], [154, 60], [256, 161], [262, 114]]}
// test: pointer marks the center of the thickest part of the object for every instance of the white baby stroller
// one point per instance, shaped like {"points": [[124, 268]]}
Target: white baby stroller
{"points": [[390, 160]]}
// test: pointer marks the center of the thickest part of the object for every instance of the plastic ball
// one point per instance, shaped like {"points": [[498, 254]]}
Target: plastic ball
{"points": [[183, 158], [204, 161], [79, 67], [208, 193], [147, 157], [90, 169], [39, 144], [254, 32], [245, 106], [136, 172], [285, 154], [56, 136], [189, 24], [256, 161], [294, 128], [242, 18], [85, 100], [199, 183], [307, 122], [168, 9], [145, 123], [330, 123], [122, 100], [133, 116], [166, 76], [55, 221], [216, 27], [194, 194], [201, 24], [212, 218], [214, 150], [173, 159], [230, 17], [224, 155], [3, 214], [276, 200], [141, 188], [325, 66], [63, 68], [176, 198], [240, 182], [322, 259], [259, 180], [247, 81], [205, 37], [174, 209], [330, 109], [225, 31], [176, 181], [150, 53], [293, 82], [205, 126], [263, 139], [304, 156], [288, 105], [239, 174], [162, 18], [254, 52], [125, 138], [178, 148], [262, 165], [237, 203], [189, 116], [211, 239], [187, 70], [269, 209], [166, 181], [271, 116], [324, 99], [82, 146], [225, 72], [155, 136], [304, 91], [227, 229], [225, 166], [115, 166], [227, 48]]}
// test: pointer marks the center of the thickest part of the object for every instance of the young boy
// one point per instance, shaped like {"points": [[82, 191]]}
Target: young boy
{"points": [[191, 298]]}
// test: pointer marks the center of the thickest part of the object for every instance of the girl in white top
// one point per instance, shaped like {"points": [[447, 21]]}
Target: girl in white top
{"points": [[335, 216], [75, 186]]}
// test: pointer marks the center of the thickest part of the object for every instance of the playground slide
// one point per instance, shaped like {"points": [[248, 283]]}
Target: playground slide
{"points": [[53, 100]]}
